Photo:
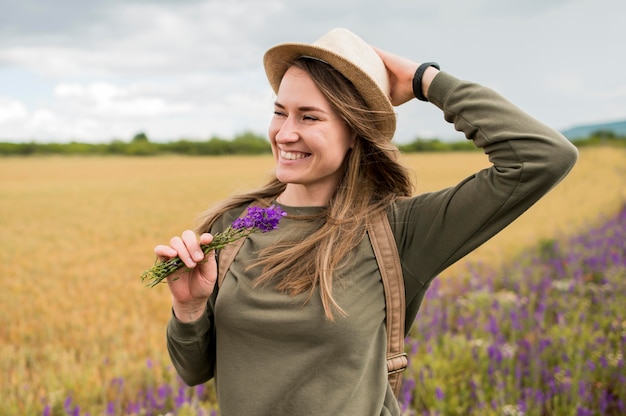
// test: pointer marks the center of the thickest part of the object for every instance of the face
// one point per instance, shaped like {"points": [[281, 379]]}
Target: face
{"points": [[309, 139]]}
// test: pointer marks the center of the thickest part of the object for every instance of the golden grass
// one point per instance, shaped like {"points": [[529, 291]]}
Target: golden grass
{"points": [[76, 233]]}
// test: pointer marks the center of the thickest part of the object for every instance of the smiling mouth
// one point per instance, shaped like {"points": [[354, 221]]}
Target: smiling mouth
{"points": [[293, 155]]}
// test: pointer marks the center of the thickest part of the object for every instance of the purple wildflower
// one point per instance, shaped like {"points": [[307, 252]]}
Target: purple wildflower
{"points": [[180, 398], [439, 394], [495, 354], [67, 404], [408, 387], [164, 391], [263, 219]]}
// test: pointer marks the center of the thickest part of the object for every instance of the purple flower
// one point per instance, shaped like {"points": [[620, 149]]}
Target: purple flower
{"points": [[407, 394], [495, 354], [164, 391], [439, 394], [180, 398], [67, 404], [263, 219]]}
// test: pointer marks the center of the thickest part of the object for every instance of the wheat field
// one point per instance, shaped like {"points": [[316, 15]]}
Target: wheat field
{"points": [[76, 233]]}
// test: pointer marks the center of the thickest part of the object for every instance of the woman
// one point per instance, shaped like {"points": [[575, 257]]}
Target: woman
{"points": [[298, 325]]}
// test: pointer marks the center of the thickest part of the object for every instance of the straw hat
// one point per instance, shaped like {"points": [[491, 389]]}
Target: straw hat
{"points": [[350, 55]]}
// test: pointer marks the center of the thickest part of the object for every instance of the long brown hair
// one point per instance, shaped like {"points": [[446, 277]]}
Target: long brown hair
{"points": [[372, 180]]}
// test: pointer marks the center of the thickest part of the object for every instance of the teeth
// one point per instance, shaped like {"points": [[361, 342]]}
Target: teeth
{"points": [[292, 155]]}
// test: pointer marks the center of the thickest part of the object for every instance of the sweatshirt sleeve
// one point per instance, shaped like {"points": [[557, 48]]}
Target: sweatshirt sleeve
{"points": [[191, 346], [528, 158]]}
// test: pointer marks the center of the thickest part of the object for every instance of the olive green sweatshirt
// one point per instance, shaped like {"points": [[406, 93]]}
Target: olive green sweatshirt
{"points": [[273, 354]]}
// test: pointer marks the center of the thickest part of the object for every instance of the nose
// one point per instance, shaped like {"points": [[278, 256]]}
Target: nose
{"points": [[287, 131]]}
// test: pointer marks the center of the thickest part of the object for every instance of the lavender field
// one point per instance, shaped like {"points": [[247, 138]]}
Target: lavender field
{"points": [[543, 335]]}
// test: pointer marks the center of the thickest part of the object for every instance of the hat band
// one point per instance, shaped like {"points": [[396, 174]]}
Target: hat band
{"points": [[313, 57]]}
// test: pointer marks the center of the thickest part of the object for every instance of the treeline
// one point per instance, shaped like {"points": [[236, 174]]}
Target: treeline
{"points": [[247, 143], [601, 138], [598, 138], [140, 145]]}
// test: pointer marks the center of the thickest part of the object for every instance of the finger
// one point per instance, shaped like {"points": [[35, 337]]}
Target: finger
{"points": [[183, 252], [206, 238], [165, 252], [209, 268], [380, 52], [193, 246]]}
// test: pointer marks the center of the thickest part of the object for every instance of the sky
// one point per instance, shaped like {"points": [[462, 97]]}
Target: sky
{"points": [[101, 70]]}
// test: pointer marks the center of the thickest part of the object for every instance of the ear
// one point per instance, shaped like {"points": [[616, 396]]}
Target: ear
{"points": [[353, 140]]}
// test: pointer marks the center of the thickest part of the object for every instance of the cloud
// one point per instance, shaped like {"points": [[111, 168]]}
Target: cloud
{"points": [[11, 110], [197, 106], [106, 69], [136, 38], [106, 100]]}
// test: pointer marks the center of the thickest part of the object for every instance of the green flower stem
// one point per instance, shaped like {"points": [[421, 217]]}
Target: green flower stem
{"points": [[157, 273], [256, 219]]}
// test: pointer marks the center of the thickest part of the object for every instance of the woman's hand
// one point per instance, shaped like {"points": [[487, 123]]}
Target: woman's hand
{"points": [[190, 286], [401, 71]]}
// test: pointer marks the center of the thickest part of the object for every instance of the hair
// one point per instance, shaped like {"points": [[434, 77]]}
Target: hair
{"points": [[372, 179]]}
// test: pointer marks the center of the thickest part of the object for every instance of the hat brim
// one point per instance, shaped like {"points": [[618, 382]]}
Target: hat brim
{"points": [[279, 58]]}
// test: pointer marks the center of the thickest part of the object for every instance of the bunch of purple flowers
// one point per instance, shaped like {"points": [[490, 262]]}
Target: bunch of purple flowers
{"points": [[256, 219]]}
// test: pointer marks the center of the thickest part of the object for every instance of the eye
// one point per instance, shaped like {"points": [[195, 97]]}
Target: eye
{"points": [[310, 118], [278, 113]]}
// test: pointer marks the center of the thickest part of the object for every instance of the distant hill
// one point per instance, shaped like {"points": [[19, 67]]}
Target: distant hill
{"points": [[617, 127]]}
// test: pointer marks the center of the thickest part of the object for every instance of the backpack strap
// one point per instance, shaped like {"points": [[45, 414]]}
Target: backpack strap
{"points": [[388, 260], [225, 257]]}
